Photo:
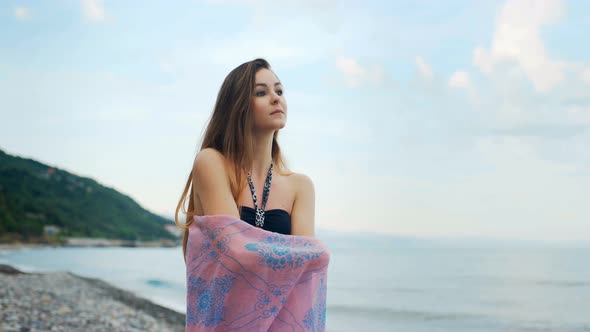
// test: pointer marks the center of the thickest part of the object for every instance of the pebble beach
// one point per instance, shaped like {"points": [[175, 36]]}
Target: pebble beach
{"points": [[62, 301]]}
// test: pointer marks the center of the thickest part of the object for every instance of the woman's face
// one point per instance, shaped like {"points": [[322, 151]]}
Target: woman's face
{"points": [[269, 103]]}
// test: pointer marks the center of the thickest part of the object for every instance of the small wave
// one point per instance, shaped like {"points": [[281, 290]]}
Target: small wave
{"points": [[465, 320], [529, 282], [390, 313], [26, 268], [160, 283], [380, 289], [562, 283]]}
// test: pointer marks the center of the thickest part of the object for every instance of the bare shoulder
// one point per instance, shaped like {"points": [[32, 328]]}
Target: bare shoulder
{"points": [[302, 184], [209, 170], [208, 160], [211, 184], [303, 214]]}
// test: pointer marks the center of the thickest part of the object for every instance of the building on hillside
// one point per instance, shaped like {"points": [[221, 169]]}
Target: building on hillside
{"points": [[51, 230], [173, 229]]}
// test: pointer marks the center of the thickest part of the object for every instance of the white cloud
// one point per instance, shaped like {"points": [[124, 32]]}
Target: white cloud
{"points": [[352, 71], [517, 40], [22, 13], [424, 68], [93, 10], [460, 79], [483, 60], [517, 57], [356, 75]]}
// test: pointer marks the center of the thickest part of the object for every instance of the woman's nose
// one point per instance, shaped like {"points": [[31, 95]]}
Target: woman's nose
{"points": [[275, 97]]}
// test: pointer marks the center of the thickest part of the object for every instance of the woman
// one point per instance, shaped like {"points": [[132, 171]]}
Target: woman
{"points": [[240, 272]]}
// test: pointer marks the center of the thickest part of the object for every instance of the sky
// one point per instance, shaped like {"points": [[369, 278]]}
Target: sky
{"points": [[419, 118]]}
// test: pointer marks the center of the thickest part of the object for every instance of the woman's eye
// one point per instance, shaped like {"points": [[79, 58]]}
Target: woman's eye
{"points": [[261, 93]]}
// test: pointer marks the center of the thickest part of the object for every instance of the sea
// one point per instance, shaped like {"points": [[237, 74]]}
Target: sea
{"points": [[384, 283]]}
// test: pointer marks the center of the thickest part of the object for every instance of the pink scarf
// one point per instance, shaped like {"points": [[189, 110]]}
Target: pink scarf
{"points": [[243, 278]]}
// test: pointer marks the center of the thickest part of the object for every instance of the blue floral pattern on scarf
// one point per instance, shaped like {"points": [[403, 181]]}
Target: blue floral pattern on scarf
{"points": [[215, 297], [209, 297], [315, 318], [276, 251]]}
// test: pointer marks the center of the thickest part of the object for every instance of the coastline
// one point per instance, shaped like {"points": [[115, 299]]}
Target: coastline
{"points": [[16, 246], [63, 301], [88, 243]]}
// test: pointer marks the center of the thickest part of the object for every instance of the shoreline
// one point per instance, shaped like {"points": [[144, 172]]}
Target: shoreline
{"points": [[18, 246], [63, 301]]}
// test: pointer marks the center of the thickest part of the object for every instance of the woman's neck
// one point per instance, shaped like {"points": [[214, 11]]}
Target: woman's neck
{"points": [[262, 155]]}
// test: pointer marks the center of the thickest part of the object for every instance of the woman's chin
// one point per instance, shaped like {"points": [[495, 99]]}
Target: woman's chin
{"points": [[272, 127], [279, 124]]}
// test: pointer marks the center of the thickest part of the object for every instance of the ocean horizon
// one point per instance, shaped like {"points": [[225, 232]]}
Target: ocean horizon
{"points": [[382, 282]]}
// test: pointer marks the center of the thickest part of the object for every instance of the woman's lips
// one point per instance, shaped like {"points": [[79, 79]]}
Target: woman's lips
{"points": [[277, 111]]}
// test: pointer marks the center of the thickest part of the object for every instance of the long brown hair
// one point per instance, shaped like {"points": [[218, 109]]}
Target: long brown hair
{"points": [[230, 131]]}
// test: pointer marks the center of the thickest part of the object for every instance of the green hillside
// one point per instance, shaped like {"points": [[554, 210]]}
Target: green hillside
{"points": [[33, 195]]}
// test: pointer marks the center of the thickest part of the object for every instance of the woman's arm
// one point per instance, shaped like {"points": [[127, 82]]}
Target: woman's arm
{"points": [[211, 184], [303, 213]]}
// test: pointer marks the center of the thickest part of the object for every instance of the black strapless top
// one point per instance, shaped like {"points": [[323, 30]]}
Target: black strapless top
{"points": [[275, 220]]}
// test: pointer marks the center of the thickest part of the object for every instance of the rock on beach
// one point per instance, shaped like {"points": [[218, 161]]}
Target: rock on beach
{"points": [[62, 301]]}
